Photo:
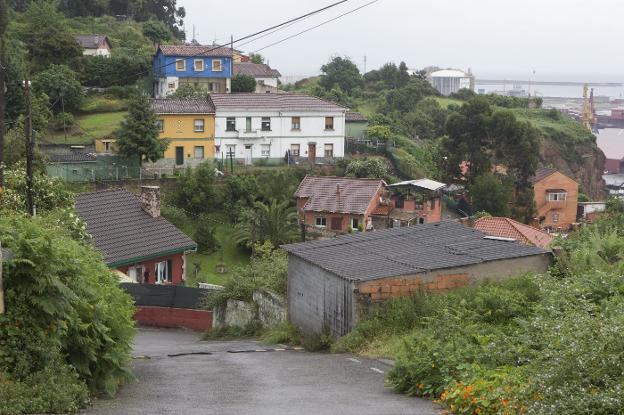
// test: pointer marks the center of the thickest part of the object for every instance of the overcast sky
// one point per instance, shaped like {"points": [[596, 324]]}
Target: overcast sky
{"points": [[559, 39]]}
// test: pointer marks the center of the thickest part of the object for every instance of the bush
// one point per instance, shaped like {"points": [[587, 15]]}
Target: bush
{"points": [[63, 120], [205, 236], [60, 84], [283, 333]]}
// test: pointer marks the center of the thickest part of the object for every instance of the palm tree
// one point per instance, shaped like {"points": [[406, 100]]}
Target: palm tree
{"points": [[275, 222]]}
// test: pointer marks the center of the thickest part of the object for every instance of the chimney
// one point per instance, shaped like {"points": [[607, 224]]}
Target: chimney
{"points": [[150, 200]]}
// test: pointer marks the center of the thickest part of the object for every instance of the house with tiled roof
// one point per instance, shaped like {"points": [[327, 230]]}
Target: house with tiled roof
{"points": [[210, 67], [94, 45], [278, 127], [132, 235], [356, 125], [338, 204], [189, 127], [333, 282], [511, 229], [556, 199], [267, 78]]}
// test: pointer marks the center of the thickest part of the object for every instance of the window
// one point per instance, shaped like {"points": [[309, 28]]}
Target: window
{"points": [[171, 85], [217, 65], [296, 123], [199, 152], [399, 202], [329, 151], [163, 272], [199, 125], [265, 150], [329, 123], [161, 125], [248, 124], [180, 65], [336, 224], [294, 150], [355, 223], [230, 124], [230, 150], [556, 196], [199, 65], [321, 222], [266, 123], [555, 217]]}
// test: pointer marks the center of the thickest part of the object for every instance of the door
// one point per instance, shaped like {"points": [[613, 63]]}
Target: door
{"points": [[312, 152], [179, 154], [248, 148]]}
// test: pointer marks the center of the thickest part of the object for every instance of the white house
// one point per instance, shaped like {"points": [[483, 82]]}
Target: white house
{"points": [[266, 77], [278, 126], [94, 45]]}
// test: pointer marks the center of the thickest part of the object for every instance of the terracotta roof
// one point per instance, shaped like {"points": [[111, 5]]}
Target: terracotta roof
{"points": [[257, 70], [509, 228], [338, 194], [183, 106], [274, 101], [541, 174], [407, 251], [195, 50], [91, 41], [124, 232], [355, 116]]}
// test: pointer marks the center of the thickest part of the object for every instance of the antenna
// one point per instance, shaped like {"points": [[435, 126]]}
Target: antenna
{"points": [[193, 32]]}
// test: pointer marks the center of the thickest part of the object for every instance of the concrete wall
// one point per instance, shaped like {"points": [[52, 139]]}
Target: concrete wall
{"points": [[271, 308], [318, 300]]}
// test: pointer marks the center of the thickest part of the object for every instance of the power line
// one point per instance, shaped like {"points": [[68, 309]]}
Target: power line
{"points": [[316, 26], [201, 54]]}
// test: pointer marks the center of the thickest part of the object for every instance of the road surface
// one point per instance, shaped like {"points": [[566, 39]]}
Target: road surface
{"points": [[251, 382]]}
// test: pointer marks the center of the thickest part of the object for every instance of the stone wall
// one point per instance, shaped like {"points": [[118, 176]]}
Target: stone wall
{"points": [[267, 308], [271, 308]]}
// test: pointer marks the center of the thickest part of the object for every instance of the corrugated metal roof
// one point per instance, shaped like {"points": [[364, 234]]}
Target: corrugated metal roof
{"points": [[426, 184], [406, 251], [123, 231], [449, 73]]}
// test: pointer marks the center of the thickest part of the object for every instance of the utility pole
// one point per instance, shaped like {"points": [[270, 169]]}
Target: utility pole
{"points": [[3, 25], [29, 141], [1, 285], [364, 65]]}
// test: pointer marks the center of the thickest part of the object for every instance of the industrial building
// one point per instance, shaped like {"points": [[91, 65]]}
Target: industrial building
{"points": [[450, 81]]}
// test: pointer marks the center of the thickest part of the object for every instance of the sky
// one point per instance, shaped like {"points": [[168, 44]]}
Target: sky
{"points": [[568, 40]]}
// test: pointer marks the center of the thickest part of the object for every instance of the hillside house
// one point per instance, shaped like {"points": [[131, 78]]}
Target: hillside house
{"points": [[209, 67], [132, 236], [94, 45], [333, 282], [356, 125], [271, 128], [189, 126], [412, 202], [511, 229], [267, 79], [338, 204], [556, 199]]}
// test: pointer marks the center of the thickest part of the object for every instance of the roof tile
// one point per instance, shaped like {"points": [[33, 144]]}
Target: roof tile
{"points": [[275, 101], [338, 194], [183, 106], [509, 228], [195, 50]]}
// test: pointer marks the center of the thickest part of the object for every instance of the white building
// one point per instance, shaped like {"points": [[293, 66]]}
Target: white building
{"points": [[277, 127], [94, 45], [450, 81], [267, 79]]}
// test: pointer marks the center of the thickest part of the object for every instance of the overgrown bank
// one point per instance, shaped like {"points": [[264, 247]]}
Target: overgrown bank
{"points": [[545, 344]]}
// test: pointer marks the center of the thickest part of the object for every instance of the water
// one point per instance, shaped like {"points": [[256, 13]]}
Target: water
{"points": [[563, 91], [611, 142]]}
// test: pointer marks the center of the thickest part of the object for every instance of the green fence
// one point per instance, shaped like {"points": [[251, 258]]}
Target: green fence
{"points": [[103, 168]]}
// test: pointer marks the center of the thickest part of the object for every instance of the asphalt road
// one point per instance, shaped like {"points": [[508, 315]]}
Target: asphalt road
{"points": [[255, 383]]}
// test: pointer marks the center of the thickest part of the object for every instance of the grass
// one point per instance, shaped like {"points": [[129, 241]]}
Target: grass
{"points": [[563, 127], [229, 254], [88, 128], [445, 102]]}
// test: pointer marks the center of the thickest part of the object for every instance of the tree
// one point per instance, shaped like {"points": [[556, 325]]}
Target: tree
{"points": [[404, 99], [61, 86], [189, 91], [195, 191], [138, 134], [156, 31], [379, 132], [256, 58], [205, 235], [342, 72], [243, 83], [275, 222], [46, 39], [489, 194], [373, 168]]}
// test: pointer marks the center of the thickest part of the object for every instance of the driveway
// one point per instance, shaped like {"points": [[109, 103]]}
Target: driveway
{"points": [[251, 381]]}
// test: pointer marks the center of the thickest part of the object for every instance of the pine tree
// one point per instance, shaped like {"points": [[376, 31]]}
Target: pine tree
{"points": [[138, 135]]}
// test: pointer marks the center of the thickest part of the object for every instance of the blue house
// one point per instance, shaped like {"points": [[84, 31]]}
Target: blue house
{"points": [[206, 66]]}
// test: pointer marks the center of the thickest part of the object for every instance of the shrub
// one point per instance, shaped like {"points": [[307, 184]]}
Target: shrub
{"points": [[205, 235], [283, 333], [61, 86], [63, 120], [252, 329]]}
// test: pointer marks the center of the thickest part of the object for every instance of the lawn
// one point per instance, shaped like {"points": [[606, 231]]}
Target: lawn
{"points": [[88, 128], [229, 254]]}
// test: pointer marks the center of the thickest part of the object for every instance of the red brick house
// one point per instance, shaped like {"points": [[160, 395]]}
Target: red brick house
{"points": [[411, 202], [556, 199], [132, 236], [509, 228]]}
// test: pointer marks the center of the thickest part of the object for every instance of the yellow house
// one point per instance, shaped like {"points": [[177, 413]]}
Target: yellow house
{"points": [[189, 126]]}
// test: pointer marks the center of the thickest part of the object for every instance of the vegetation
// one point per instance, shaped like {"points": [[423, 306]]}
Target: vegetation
{"points": [[60, 84], [529, 345], [243, 83], [275, 222], [138, 134]]}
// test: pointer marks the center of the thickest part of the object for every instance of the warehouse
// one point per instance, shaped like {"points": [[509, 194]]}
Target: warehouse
{"points": [[332, 282]]}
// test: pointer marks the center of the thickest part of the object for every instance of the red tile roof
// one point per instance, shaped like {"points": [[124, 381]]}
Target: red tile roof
{"points": [[509, 228], [339, 194], [275, 101], [194, 50], [183, 106], [355, 116], [541, 174], [257, 70]]}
